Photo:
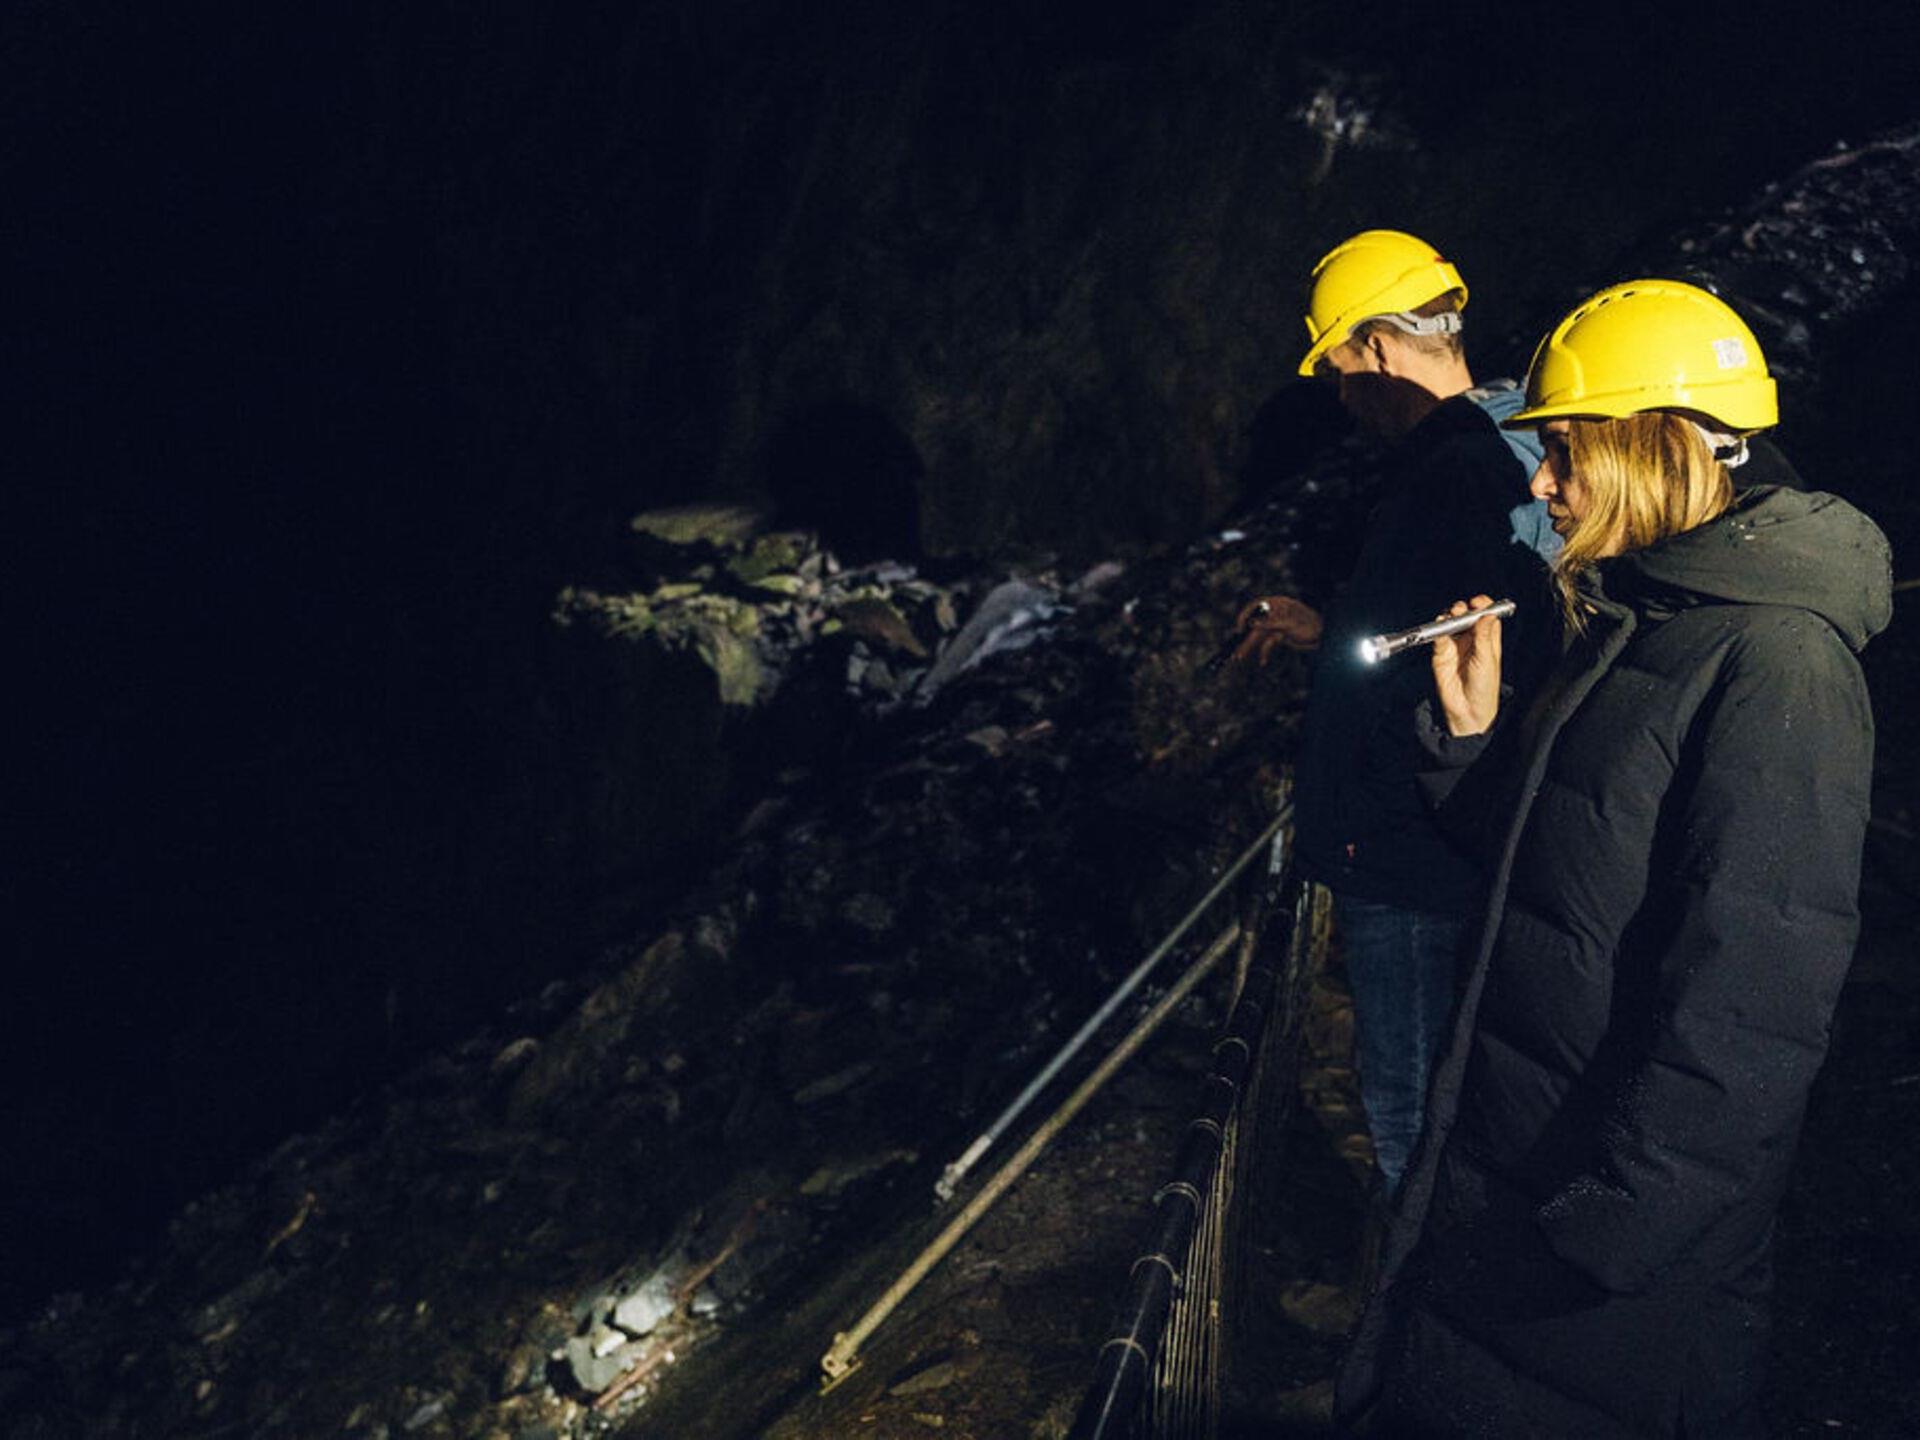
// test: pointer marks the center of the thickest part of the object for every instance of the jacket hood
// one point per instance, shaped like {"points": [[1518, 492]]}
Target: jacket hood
{"points": [[1772, 547]]}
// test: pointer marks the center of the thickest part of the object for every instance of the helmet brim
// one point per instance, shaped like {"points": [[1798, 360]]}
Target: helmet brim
{"points": [[1751, 405]]}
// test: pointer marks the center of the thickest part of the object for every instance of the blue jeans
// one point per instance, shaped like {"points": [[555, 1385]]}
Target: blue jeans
{"points": [[1401, 966]]}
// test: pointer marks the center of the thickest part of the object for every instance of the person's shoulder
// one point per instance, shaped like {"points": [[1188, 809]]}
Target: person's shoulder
{"points": [[1460, 415], [1460, 440], [1766, 464], [1456, 423], [1499, 400], [1499, 397], [1781, 639]]}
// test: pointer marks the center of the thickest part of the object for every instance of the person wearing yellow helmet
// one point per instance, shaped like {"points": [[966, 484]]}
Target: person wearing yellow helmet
{"points": [[1380, 275], [1674, 829], [1394, 286], [1663, 345], [1383, 324]]}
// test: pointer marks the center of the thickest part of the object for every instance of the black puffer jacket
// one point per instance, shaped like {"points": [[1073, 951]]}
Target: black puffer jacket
{"points": [[1440, 528], [1582, 1248]]}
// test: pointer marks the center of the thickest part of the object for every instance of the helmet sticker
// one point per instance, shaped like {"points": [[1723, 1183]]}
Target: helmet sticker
{"points": [[1731, 353]]}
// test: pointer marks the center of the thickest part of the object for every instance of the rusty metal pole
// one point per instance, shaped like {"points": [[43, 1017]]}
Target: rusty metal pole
{"points": [[844, 1357]]}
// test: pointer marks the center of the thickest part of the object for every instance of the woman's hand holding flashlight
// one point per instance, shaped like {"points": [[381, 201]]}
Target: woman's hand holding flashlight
{"points": [[1466, 671]]}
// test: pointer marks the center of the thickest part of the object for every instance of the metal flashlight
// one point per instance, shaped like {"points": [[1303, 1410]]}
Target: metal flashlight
{"points": [[1381, 646]]}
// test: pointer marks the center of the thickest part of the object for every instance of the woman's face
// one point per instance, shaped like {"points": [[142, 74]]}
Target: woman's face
{"points": [[1557, 482]]}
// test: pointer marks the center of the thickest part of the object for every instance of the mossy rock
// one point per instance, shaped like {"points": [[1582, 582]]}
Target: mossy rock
{"points": [[770, 554], [743, 680], [780, 584], [716, 524]]}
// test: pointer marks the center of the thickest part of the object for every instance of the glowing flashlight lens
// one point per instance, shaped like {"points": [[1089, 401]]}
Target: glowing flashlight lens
{"points": [[1367, 652]]}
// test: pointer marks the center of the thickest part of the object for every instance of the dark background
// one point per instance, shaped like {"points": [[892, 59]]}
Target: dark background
{"points": [[339, 338]]}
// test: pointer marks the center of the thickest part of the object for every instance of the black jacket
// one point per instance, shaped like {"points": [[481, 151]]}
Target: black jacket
{"points": [[1766, 465], [1440, 530], [1582, 1248]]}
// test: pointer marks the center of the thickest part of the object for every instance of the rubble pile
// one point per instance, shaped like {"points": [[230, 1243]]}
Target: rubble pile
{"points": [[526, 1234], [751, 605]]}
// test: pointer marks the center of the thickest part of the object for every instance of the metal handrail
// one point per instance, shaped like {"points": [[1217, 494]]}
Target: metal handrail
{"points": [[843, 1356], [841, 1360], [951, 1177], [1123, 1372]]}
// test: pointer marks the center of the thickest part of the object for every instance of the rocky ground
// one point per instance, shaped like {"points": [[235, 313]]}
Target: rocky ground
{"points": [[530, 1234], [643, 1202]]}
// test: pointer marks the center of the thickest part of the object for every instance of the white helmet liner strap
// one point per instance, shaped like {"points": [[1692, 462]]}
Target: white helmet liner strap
{"points": [[1447, 322], [1729, 449]]}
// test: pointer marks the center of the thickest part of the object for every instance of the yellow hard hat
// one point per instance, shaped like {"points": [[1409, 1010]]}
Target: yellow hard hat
{"points": [[1377, 272], [1651, 345]]}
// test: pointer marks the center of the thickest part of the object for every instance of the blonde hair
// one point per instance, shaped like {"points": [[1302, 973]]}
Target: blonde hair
{"points": [[1646, 477]]}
